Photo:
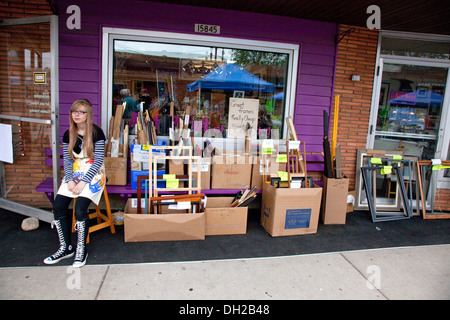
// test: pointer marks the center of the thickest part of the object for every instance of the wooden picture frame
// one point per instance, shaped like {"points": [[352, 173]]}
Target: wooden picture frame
{"points": [[432, 214]]}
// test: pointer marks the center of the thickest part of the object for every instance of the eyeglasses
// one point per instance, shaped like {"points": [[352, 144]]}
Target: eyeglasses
{"points": [[78, 112]]}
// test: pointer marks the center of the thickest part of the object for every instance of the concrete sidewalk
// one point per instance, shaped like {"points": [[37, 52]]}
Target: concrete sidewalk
{"points": [[421, 272]]}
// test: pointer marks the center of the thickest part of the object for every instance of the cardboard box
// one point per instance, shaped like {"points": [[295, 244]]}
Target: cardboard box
{"points": [[116, 171], [221, 219], [351, 196], [334, 201], [286, 211], [231, 172], [164, 227]]}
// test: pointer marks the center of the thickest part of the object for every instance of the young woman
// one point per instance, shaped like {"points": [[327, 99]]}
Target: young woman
{"points": [[84, 179]]}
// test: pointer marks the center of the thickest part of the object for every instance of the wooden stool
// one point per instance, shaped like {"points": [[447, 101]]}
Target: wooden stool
{"points": [[108, 220]]}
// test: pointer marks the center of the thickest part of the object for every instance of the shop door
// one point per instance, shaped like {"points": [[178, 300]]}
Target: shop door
{"points": [[28, 116], [410, 114]]}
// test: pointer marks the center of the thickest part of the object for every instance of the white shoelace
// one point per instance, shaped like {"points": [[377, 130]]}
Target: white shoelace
{"points": [[80, 227]]}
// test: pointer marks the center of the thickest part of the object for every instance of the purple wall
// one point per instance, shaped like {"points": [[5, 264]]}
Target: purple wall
{"points": [[80, 51]]}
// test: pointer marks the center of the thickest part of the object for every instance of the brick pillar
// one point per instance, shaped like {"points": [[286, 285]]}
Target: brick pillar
{"points": [[356, 56]]}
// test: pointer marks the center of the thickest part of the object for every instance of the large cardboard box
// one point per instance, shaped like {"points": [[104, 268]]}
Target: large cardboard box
{"points": [[334, 202], [286, 211], [221, 219], [116, 171], [231, 172], [164, 227]]}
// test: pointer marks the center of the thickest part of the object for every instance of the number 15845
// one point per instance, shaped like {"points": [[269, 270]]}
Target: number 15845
{"points": [[207, 28]]}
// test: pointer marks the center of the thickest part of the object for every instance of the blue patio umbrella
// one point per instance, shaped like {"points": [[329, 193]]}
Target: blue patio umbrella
{"points": [[230, 77]]}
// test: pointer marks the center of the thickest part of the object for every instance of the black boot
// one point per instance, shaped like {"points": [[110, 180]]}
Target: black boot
{"points": [[65, 248], [81, 254]]}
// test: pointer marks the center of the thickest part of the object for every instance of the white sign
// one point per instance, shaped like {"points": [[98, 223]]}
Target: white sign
{"points": [[207, 28], [6, 148], [241, 112]]}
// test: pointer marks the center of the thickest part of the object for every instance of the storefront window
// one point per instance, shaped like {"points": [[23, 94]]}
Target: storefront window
{"points": [[204, 78], [410, 108]]}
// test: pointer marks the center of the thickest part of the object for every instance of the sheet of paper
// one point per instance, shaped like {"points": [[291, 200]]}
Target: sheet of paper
{"points": [[6, 147]]}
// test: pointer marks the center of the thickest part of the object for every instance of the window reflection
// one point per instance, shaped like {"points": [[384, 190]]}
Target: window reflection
{"points": [[204, 78]]}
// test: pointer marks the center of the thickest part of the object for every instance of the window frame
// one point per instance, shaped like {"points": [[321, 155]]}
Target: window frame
{"points": [[110, 34]]}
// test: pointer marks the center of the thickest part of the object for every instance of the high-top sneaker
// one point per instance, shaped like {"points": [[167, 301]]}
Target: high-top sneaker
{"points": [[65, 248], [81, 254]]}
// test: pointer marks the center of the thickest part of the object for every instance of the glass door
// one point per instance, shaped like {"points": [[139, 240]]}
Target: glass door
{"points": [[28, 114], [409, 113]]}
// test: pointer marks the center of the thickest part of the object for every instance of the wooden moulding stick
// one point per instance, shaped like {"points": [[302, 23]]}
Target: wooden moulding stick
{"points": [[291, 128], [116, 131], [110, 134], [335, 127], [326, 147], [125, 142], [172, 105]]}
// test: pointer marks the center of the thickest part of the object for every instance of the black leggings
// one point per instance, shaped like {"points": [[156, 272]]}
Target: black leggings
{"points": [[61, 206]]}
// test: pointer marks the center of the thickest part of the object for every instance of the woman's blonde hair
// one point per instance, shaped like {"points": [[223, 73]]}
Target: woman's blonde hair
{"points": [[88, 145]]}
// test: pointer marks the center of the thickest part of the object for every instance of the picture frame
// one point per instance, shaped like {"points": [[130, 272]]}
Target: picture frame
{"points": [[363, 156], [420, 172], [238, 94]]}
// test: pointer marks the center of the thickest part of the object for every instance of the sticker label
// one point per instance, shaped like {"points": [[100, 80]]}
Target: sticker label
{"points": [[297, 218]]}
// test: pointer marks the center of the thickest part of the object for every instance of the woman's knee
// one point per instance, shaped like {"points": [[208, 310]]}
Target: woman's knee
{"points": [[61, 206], [81, 209]]}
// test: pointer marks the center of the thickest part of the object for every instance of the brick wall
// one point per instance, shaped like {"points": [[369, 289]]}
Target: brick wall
{"points": [[23, 8], [24, 50], [441, 201], [356, 56]]}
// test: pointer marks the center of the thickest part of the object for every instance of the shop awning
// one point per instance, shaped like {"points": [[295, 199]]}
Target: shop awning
{"points": [[418, 97], [231, 77]]}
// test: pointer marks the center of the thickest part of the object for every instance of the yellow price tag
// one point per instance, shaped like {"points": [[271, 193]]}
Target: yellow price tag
{"points": [[282, 158], [386, 170], [172, 183], [169, 176], [267, 150], [439, 167], [145, 147], [375, 160], [283, 175]]}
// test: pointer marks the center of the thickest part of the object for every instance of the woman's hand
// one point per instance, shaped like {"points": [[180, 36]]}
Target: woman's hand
{"points": [[70, 185], [79, 187]]}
